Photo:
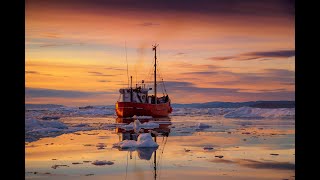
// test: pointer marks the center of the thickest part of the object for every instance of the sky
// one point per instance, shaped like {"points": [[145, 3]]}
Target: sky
{"points": [[77, 51]]}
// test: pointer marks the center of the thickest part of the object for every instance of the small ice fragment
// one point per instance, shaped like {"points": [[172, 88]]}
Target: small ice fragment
{"points": [[88, 145], [50, 118], [101, 145], [144, 141], [203, 125], [76, 163], [101, 163], [246, 133], [56, 166], [208, 147], [219, 156]]}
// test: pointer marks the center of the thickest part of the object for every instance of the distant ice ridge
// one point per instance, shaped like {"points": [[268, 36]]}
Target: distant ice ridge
{"points": [[248, 112], [242, 112], [144, 141], [200, 111]]}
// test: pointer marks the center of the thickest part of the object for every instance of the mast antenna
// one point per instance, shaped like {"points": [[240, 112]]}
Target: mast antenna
{"points": [[125, 44]]}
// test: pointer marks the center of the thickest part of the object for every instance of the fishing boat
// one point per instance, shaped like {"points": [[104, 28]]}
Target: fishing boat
{"points": [[136, 101]]}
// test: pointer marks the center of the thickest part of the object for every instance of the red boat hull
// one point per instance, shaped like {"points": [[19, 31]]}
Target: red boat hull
{"points": [[129, 109]]}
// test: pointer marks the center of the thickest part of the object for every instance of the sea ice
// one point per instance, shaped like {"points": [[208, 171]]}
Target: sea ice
{"points": [[136, 125], [208, 147], [101, 145], [149, 125], [144, 141], [203, 125], [101, 163]]}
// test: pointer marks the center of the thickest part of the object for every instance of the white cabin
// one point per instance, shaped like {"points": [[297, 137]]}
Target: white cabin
{"points": [[139, 95]]}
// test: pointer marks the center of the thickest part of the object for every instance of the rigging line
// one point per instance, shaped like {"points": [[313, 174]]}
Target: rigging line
{"points": [[164, 87], [149, 73], [160, 71], [161, 77], [125, 43], [165, 141]]}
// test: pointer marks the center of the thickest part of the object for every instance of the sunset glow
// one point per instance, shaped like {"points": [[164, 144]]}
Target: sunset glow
{"points": [[209, 51]]}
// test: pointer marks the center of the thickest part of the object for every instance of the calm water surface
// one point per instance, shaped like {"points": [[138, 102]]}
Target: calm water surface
{"points": [[242, 149]]}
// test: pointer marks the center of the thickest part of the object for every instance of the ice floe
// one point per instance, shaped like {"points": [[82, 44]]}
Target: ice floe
{"points": [[51, 120], [208, 147], [144, 141], [136, 126], [203, 125], [101, 163]]}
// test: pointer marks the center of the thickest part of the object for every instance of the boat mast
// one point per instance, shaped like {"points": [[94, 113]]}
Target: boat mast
{"points": [[155, 159], [131, 94], [155, 71]]}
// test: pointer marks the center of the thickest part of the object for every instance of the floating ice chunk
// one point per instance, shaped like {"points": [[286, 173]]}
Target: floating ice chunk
{"points": [[219, 156], [144, 141], [76, 163], [164, 122], [136, 123], [45, 130], [54, 124], [80, 125], [208, 147], [58, 165], [112, 125], [101, 163], [101, 145], [126, 144], [31, 124], [50, 118], [203, 125], [149, 125], [128, 126]]}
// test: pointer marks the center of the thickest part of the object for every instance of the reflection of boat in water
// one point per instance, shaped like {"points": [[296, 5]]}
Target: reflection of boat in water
{"points": [[125, 134], [146, 153], [137, 101]]}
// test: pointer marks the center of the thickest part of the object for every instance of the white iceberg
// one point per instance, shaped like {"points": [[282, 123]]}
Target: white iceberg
{"points": [[144, 141]]}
